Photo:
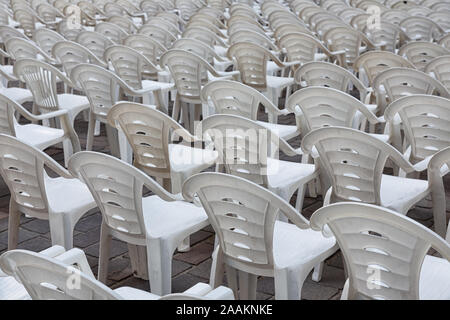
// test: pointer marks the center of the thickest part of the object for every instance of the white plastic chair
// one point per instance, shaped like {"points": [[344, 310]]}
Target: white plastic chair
{"points": [[69, 30], [46, 39], [354, 161], [386, 253], [113, 32], [151, 134], [251, 60], [252, 242], [231, 97], [41, 79], [422, 52], [438, 167], [439, 69], [95, 42], [249, 150], [421, 29], [425, 124], [45, 275], [159, 34], [394, 83], [159, 222], [370, 64], [190, 72], [445, 41], [394, 16], [33, 134], [318, 107], [37, 195], [305, 48], [101, 87], [130, 65]]}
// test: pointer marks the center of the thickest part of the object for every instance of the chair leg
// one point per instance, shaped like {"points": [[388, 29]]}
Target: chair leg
{"points": [[159, 262], [113, 140], [176, 108], [185, 246], [217, 268], [300, 197], [247, 286], [105, 247], [317, 273], [232, 279], [61, 230], [13, 225], [91, 132], [289, 283]]}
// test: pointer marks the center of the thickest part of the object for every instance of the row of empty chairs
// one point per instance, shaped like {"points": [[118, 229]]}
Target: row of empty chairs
{"points": [[187, 86]]}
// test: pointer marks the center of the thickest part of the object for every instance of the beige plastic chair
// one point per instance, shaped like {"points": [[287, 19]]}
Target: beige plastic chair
{"points": [[385, 253], [129, 65], [349, 40], [69, 31], [151, 135], [252, 242], [159, 34], [395, 83], [425, 121], [123, 22], [251, 61], [439, 69], [37, 195], [422, 52], [159, 222], [305, 48], [46, 39], [190, 72], [370, 64], [27, 20], [113, 32], [438, 167], [421, 29], [165, 24], [95, 42], [49, 14], [151, 48], [231, 97], [419, 11], [354, 161], [203, 50], [347, 14], [441, 18], [19, 48], [389, 35], [287, 28], [46, 275], [445, 42]]}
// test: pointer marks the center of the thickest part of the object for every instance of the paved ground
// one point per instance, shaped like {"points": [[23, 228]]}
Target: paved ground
{"points": [[188, 268]]}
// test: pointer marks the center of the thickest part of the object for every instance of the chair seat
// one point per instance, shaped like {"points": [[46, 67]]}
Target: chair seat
{"points": [[8, 71], [292, 244], [187, 159], [279, 82], [221, 51], [38, 136], [68, 195], [434, 281], [161, 85], [284, 177], [19, 95], [10, 289], [398, 193], [72, 102], [129, 293], [164, 219], [282, 130]]}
